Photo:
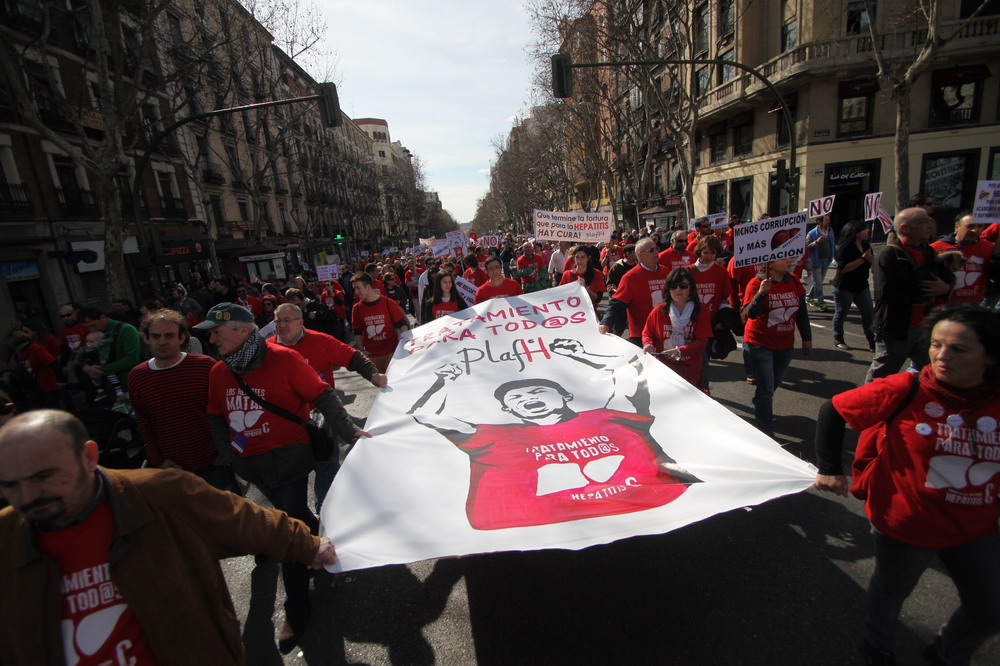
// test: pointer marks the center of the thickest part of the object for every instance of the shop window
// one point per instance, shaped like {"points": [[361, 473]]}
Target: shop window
{"points": [[717, 147], [950, 178], [743, 139], [956, 95], [741, 198], [717, 197], [857, 17]]}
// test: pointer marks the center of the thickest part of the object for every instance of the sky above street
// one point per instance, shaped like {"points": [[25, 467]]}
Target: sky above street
{"points": [[447, 75]]}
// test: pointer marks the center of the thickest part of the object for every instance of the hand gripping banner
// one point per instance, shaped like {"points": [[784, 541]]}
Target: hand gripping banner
{"points": [[515, 425]]}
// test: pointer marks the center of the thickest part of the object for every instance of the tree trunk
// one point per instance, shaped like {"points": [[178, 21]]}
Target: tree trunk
{"points": [[114, 237], [901, 145]]}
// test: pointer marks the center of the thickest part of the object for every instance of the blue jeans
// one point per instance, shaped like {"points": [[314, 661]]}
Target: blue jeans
{"points": [[842, 300], [818, 275], [974, 567], [292, 498], [768, 367], [325, 471]]}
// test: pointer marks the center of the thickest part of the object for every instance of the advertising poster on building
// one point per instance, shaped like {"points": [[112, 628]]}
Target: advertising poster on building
{"points": [[987, 206], [766, 240], [515, 425], [573, 227]]}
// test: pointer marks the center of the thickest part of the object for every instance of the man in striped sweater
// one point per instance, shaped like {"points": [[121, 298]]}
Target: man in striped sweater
{"points": [[169, 393]]}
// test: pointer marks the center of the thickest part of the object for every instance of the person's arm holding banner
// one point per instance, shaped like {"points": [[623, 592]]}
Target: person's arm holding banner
{"points": [[455, 430]]}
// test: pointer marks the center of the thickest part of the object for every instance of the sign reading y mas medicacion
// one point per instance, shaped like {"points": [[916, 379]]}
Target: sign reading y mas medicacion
{"points": [[573, 227], [767, 240], [515, 425]]}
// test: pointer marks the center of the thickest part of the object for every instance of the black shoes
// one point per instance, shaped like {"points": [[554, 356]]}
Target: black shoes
{"points": [[840, 344]]}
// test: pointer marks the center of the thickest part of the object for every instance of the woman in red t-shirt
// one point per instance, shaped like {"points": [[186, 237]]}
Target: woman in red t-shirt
{"points": [[774, 305], [445, 300], [926, 465], [582, 272], [679, 328]]}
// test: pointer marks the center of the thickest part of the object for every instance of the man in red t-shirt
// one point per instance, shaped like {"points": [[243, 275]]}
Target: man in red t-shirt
{"points": [[553, 464], [72, 332], [677, 255], [640, 290], [377, 321], [972, 279], [124, 565], [530, 269], [497, 286]]}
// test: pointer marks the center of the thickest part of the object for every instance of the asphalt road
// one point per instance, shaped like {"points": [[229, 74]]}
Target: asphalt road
{"points": [[781, 583]]}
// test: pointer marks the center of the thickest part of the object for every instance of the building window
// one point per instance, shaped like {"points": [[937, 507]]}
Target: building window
{"points": [[743, 139], [381, 153], [993, 168], [717, 197], [717, 146], [727, 19], [956, 95], [857, 17], [725, 73], [950, 178], [855, 106], [741, 198], [244, 209], [701, 81], [789, 35], [701, 25]]}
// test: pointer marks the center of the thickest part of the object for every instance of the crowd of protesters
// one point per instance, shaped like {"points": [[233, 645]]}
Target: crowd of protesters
{"points": [[230, 380]]}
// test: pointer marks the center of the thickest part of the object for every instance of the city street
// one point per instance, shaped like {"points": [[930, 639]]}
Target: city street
{"points": [[781, 583]]}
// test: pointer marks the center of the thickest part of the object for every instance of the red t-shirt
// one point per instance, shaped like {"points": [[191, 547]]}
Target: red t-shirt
{"points": [[934, 482], [443, 308], [50, 342], [714, 287], [476, 276], [322, 352], [739, 278], [73, 336], [253, 304], [507, 288], [672, 259], [641, 290], [599, 463], [698, 330], [98, 626], [596, 284], [970, 281], [775, 327], [524, 262], [285, 380], [376, 322], [37, 360], [329, 298], [991, 232]]}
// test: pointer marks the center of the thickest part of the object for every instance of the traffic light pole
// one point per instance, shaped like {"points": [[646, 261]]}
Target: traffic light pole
{"points": [[331, 118], [561, 63]]}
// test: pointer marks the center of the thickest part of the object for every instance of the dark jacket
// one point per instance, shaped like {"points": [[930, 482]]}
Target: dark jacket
{"points": [[897, 282], [171, 530]]}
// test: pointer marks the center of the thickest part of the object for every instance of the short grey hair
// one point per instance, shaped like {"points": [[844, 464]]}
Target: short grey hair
{"points": [[288, 307]]}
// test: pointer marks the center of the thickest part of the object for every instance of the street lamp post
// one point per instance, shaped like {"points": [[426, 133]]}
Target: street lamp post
{"points": [[562, 87]]}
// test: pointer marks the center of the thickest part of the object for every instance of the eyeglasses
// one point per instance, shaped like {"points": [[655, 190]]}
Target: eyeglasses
{"points": [[287, 321], [680, 285], [6, 409]]}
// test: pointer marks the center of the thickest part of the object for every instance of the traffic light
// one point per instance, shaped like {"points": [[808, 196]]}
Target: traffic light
{"points": [[562, 76], [781, 175], [329, 104], [339, 239]]}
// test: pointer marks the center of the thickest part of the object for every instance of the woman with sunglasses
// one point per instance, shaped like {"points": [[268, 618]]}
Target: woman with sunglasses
{"points": [[678, 329], [774, 305]]}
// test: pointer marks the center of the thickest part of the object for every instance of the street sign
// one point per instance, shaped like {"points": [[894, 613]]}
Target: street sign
{"points": [[872, 203], [822, 206]]}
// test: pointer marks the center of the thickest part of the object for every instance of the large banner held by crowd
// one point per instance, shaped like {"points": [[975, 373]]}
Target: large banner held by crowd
{"points": [[515, 425], [767, 240], [577, 227]]}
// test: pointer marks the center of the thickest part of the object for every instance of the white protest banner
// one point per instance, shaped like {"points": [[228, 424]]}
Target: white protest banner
{"points": [[574, 227], [822, 206], [328, 272], [490, 241], [515, 425], [428, 242], [872, 203], [466, 289], [441, 249], [717, 220], [987, 206], [766, 240]]}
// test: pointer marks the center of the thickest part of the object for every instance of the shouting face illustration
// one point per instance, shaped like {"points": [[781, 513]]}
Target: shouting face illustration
{"points": [[534, 402]]}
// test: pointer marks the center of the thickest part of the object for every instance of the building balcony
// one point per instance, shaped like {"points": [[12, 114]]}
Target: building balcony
{"points": [[77, 203], [14, 201]]}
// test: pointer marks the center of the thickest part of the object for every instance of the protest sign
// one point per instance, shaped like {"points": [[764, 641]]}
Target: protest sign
{"points": [[987, 206], [441, 248], [767, 240], [872, 203], [515, 425], [717, 220], [466, 289], [573, 227], [490, 241], [822, 206], [428, 242], [328, 272]]}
